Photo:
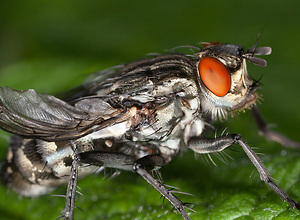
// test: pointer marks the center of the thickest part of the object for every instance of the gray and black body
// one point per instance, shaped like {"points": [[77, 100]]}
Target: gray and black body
{"points": [[133, 117]]}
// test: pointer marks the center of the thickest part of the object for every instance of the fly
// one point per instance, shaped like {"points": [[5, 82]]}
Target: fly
{"points": [[133, 117]]}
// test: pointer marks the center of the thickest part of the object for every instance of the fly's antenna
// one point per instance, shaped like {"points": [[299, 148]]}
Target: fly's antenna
{"points": [[249, 54]]}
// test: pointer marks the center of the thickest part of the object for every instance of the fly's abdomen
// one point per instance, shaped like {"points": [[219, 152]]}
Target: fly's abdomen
{"points": [[24, 170], [34, 167]]}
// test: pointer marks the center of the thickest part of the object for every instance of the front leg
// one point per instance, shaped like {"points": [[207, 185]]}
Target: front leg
{"points": [[269, 134], [220, 143]]}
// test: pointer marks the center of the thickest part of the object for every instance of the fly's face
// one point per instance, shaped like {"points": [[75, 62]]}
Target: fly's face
{"points": [[223, 75]]}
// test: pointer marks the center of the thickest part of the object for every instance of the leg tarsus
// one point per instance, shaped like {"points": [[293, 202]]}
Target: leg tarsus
{"points": [[283, 195]]}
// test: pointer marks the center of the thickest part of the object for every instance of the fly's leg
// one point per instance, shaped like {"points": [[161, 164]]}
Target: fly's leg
{"points": [[269, 134], [220, 143], [94, 158], [121, 161], [139, 167], [68, 211]]}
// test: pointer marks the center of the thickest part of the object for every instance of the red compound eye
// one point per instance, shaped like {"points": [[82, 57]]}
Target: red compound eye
{"points": [[215, 76]]}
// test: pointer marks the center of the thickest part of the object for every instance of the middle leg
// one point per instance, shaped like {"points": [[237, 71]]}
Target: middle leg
{"points": [[140, 166]]}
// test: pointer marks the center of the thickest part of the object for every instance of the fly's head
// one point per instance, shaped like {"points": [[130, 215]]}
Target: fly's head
{"points": [[224, 79]]}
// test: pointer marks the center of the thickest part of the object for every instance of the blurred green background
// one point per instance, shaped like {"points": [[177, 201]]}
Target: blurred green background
{"points": [[51, 46]]}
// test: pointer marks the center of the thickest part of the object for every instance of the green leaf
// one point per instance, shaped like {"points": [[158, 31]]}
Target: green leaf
{"points": [[52, 46]]}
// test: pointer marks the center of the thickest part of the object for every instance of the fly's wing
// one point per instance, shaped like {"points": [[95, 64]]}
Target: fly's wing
{"points": [[107, 98], [43, 116], [91, 83]]}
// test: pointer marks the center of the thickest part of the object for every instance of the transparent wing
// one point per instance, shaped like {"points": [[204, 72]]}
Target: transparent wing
{"points": [[35, 115], [92, 83]]}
